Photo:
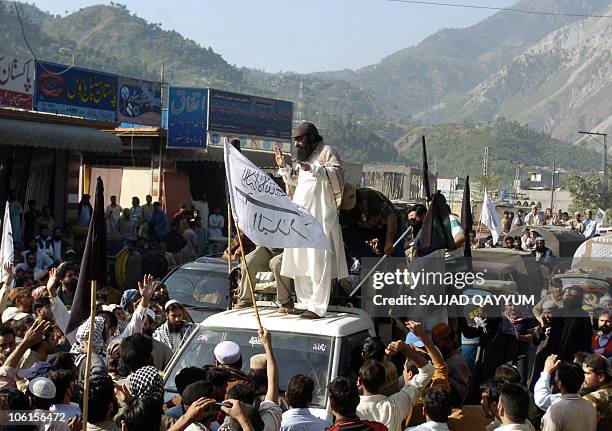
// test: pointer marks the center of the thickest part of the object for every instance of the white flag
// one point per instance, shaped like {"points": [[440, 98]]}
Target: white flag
{"points": [[600, 218], [263, 211], [490, 218], [6, 245]]}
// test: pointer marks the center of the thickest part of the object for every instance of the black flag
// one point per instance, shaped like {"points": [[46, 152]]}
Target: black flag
{"points": [[93, 265], [426, 171], [467, 222], [436, 231]]}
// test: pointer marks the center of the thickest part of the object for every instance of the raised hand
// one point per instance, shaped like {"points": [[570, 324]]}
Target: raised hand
{"points": [[200, 410], [417, 329], [9, 270], [266, 338], [551, 364], [35, 333], [146, 289], [52, 283], [236, 411], [278, 155], [396, 347]]}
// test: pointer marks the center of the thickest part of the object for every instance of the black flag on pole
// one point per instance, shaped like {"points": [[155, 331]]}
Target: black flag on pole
{"points": [[467, 222], [425, 171], [435, 234], [93, 265]]}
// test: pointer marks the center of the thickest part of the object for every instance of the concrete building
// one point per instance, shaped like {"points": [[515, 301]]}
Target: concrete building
{"points": [[397, 181]]}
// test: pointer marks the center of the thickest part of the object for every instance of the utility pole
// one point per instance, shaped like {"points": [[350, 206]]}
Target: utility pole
{"points": [[605, 161], [299, 116], [436, 161], [552, 188]]}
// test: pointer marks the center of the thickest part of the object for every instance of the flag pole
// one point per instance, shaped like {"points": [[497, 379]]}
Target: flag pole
{"points": [[384, 256], [248, 274], [229, 236], [92, 321]]}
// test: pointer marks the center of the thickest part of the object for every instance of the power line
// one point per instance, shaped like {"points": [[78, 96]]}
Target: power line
{"points": [[25, 39], [501, 9]]}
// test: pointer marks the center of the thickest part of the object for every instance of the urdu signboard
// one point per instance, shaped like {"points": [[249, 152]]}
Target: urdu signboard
{"points": [[74, 91], [187, 112], [16, 81], [244, 115]]}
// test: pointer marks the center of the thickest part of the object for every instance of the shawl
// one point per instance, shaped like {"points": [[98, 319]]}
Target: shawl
{"points": [[326, 158], [82, 336], [146, 382], [163, 335]]}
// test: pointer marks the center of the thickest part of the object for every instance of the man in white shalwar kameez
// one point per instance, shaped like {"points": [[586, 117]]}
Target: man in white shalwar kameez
{"points": [[316, 182]]}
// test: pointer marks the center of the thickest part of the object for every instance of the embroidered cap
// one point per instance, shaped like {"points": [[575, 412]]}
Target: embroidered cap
{"points": [[42, 387], [258, 362]]}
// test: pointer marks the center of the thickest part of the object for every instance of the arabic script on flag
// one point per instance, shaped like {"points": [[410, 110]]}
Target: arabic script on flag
{"points": [[263, 211]]}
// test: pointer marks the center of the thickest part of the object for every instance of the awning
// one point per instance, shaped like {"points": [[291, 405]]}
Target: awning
{"points": [[260, 158], [50, 135]]}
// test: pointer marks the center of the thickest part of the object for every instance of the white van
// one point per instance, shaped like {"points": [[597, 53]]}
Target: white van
{"points": [[321, 348]]}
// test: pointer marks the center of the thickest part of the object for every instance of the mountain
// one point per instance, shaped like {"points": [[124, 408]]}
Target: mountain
{"points": [[560, 85], [458, 149], [454, 61]]}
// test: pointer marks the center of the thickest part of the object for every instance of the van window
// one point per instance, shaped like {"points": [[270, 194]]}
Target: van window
{"points": [[350, 354]]}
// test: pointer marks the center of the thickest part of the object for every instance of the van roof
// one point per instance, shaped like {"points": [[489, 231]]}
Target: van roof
{"points": [[339, 321]]}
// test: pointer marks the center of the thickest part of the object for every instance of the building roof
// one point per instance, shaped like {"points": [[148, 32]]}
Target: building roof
{"points": [[339, 321], [60, 136], [260, 158]]}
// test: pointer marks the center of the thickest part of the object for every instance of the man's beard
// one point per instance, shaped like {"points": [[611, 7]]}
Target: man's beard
{"points": [[304, 152], [175, 327], [71, 285], [416, 227], [605, 331], [539, 249]]}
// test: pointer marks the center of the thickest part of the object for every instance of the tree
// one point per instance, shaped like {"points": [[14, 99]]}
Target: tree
{"points": [[489, 183], [586, 191]]}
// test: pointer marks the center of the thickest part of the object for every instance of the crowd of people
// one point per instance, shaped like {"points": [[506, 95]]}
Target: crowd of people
{"points": [[587, 227], [547, 369]]}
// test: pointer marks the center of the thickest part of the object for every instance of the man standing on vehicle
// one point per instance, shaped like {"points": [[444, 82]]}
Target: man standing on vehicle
{"points": [[317, 181], [542, 254], [533, 218], [590, 225]]}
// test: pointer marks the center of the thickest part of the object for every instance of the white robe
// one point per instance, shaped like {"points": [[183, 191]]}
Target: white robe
{"points": [[313, 269]]}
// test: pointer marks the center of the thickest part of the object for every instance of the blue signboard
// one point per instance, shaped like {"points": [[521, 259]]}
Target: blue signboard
{"points": [[240, 114], [187, 108], [139, 101], [79, 92]]}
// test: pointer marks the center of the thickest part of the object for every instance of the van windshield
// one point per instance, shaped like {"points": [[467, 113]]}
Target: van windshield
{"points": [[199, 288], [295, 354]]}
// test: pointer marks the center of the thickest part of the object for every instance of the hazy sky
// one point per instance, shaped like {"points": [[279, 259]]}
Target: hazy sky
{"points": [[293, 35]]}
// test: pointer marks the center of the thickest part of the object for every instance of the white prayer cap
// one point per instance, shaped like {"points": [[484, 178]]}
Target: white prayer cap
{"points": [[227, 352], [172, 301], [42, 387]]}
